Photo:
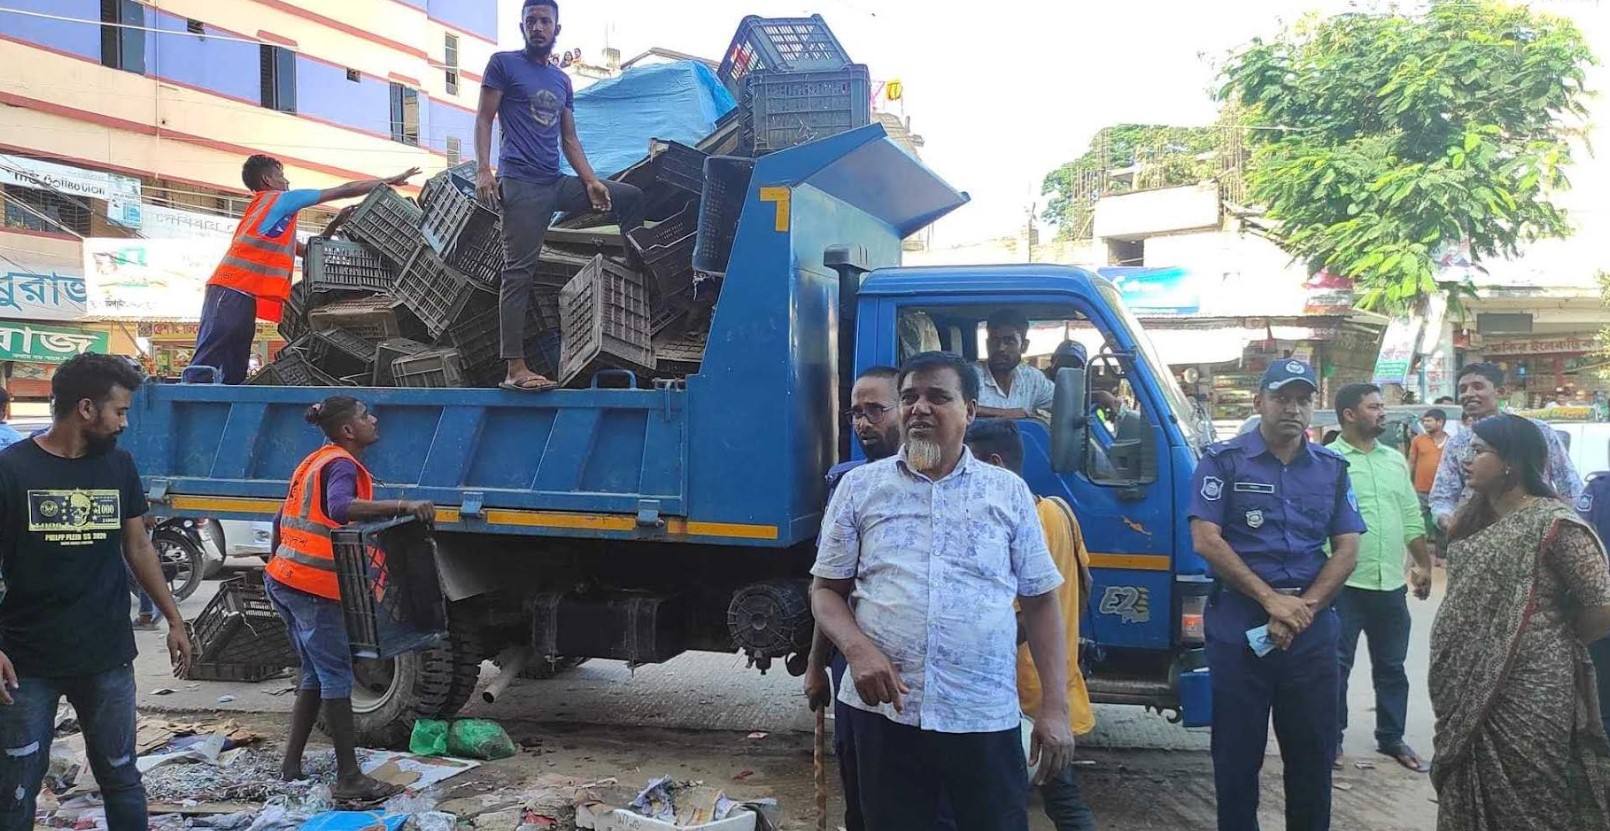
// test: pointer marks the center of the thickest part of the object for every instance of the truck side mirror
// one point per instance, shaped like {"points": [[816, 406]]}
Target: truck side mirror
{"points": [[1069, 421]]}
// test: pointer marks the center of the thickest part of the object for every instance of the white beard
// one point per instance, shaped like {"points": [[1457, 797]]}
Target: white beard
{"points": [[925, 455]]}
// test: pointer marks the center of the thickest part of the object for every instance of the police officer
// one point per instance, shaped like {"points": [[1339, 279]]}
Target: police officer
{"points": [[1264, 503]]}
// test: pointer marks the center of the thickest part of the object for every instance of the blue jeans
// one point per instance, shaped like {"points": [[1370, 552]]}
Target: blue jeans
{"points": [[318, 632], [105, 705], [1383, 617], [1064, 803]]}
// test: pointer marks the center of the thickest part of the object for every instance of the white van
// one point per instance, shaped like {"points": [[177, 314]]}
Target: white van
{"points": [[1588, 442]]}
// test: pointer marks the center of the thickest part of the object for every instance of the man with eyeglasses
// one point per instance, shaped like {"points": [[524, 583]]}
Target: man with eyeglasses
{"points": [[1008, 387], [873, 401]]}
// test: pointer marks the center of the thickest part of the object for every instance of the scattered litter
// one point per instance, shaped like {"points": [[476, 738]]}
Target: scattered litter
{"points": [[432, 821], [1364, 765], [742, 775], [66, 719], [354, 821], [226, 699], [214, 811], [163, 691], [479, 739], [759, 734], [1342, 786], [429, 738], [65, 767], [206, 751]]}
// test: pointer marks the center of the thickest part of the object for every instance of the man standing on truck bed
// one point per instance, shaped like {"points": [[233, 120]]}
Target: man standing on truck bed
{"points": [[535, 102], [873, 417], [1375, 603], [1009, 387], [254, 280], [330, 488], [1263, 505], [935, 546], [71, 529]]}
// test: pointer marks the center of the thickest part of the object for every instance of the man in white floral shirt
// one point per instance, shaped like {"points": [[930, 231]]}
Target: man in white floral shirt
{"points": [[931, 548]]}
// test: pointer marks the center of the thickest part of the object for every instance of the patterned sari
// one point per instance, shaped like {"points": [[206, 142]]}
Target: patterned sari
{"points": [[1519, 741]]}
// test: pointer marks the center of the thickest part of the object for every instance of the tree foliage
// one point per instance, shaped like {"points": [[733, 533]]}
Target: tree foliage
{"points": [[1169, 156], [1379, 138]]}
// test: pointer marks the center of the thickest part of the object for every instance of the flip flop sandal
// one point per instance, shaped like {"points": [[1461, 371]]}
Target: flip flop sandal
{"points": [[531, 385], [1406, 757], [373, 793]]}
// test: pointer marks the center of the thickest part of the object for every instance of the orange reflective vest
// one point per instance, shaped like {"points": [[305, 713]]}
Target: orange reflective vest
{"points": [[260, 265], [305, 559]]}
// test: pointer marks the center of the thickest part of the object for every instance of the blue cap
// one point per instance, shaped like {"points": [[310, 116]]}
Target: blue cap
{"points": [[1288, 371]]}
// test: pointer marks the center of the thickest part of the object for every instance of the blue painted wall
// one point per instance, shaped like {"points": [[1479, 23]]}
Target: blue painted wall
{"points": [[445, 122], [323, 91], [479, 17], [418, 4], [77, 38], [225, 66]]}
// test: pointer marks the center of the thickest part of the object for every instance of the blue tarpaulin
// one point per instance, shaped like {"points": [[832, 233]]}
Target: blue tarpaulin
{"points": [[672, 101]]}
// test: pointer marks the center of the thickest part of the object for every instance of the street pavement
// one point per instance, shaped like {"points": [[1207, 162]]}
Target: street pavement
{"points": [[716, 694]]}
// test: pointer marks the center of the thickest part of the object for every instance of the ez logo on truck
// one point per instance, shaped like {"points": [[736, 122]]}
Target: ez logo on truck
{"points": [[1132, 604]]}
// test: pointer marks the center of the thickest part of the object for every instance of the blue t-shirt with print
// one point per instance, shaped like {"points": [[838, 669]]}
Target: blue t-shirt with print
{"points": [[535, 98]]}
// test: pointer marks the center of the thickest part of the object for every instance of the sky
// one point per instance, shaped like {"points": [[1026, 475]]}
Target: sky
{"points": [[1002, 92]]}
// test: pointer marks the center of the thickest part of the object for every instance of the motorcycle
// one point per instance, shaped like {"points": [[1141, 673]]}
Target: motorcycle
{"points": [[181, 549]]}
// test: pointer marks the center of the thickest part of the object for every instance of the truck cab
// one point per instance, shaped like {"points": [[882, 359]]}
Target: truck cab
{"points": [[1126, 472]]}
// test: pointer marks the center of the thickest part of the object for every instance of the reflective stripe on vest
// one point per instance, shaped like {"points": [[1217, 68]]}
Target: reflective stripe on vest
{"points": [[258, 265], [305, 557]]}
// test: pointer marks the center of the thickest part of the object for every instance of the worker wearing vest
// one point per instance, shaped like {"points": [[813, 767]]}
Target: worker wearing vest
{"points": [[329, 489], [254, 279]]}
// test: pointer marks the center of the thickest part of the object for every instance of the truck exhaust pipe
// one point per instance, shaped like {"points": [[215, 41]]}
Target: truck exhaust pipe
{"points": [[512, 662]]}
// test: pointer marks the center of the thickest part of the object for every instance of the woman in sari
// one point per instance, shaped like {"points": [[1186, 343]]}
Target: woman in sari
{"points": [[1519, 741]]}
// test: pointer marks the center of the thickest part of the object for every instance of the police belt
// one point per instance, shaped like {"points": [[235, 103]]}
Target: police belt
{"points": [[1222, 585]]}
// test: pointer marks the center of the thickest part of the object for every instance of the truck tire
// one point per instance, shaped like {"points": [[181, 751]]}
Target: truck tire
{"points": [[389, 696]]}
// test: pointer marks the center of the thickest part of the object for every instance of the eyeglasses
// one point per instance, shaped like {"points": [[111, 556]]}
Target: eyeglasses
{"points": [[872, 413]]}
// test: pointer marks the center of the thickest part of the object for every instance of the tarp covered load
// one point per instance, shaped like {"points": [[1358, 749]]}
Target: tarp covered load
{"points": [[673, 101]]}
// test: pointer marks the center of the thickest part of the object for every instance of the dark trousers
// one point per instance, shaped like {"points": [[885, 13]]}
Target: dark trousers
{"points": [[528, 210], [844, 748], [1065, 803], [105, 705], [1298, 686], [224, 340], [903, 771], [1383, 618]]}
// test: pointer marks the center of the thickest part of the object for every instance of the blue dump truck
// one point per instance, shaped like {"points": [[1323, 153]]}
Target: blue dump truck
{"points": [[634, 524]]}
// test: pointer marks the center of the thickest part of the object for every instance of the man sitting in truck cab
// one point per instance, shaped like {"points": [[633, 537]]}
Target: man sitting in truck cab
{"points": [[1008, 387]]}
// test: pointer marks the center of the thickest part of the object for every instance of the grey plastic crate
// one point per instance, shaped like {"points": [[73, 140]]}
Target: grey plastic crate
{"points": [[466, 234], [371, 318], [388, 351], [293, 369], [342, 265], [780, 43], [387, 222], [436, 369], [787, 109], [606, 321], [434, 293], [666, 250]]}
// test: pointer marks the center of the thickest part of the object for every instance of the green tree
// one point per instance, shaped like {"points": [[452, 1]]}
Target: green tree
{"points": [[1379, 138], [1168, 156]]}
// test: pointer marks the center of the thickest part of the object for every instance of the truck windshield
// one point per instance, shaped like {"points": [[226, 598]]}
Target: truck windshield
{"points": [[1192, 423]]}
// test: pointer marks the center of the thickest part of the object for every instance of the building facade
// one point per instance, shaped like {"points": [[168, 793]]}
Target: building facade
{"points": [[130, 120]]}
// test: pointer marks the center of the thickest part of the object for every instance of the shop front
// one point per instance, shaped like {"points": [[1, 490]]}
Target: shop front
{"points": [[1549, 371], [30, 353], [173, 342]]}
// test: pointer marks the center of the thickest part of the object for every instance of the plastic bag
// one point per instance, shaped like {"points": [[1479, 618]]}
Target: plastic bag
{"points": [[429, 738], [478, 739], [353, 821]]}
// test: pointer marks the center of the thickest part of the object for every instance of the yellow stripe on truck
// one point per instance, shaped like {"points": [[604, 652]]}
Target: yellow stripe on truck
{"points": [[674, 526], [1133, 562]]}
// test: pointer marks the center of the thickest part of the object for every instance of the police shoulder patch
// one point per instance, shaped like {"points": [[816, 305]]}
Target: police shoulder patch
{"points": [[1584, 503], [1212, 488]]}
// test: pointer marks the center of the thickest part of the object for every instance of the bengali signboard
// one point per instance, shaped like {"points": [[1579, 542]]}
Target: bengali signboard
{"points": [[1563, 344], [41, 293], [120, 193], [1397, 351], [35, 344], [149, 278]]}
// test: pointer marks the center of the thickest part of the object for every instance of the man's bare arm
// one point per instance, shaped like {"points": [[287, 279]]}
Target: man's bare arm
{"points": [[876, 679], [997, 412], [1052, 743], [1208, 538]]}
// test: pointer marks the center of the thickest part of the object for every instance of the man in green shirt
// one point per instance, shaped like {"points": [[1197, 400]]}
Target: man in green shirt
{"points": [[1375, 601]]}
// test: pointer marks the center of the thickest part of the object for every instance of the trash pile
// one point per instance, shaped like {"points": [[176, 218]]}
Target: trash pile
{"points": [[408, 295]]}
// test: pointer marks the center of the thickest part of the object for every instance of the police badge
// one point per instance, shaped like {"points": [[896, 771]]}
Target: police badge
{"points": [[1255, 519]]}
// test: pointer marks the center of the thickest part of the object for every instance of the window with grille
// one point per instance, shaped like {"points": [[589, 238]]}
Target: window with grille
{"points": [[455, 150], [122, 39], [32, 209], [450, 59], [278, 66], [195, 27], [404, 114]]}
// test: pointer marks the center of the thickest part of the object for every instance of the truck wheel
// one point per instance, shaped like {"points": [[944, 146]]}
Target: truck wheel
{"points": [[389, 696]]}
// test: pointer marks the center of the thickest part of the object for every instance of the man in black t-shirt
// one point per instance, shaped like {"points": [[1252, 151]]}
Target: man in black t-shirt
{"points": [[71, 505]]}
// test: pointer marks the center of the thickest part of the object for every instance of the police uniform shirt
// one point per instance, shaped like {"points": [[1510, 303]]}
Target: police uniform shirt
{"points": [[1277, 517]]}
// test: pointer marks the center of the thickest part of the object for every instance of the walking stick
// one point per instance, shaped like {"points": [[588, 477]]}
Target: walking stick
{"points": [[821, 769]]}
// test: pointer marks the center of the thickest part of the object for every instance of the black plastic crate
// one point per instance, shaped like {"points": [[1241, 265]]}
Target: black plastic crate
{"points": [[293, 369], [679, 354], [341, 353], [342, 265], [240, 626], [388, 223], [606, 316], [726, 186], [388, 351], [476, 337], [782, 44], [543, 314], [479, 256], [679, 166], [727, 137], [433, 292], [371, 318], [666, 250], [233, 672], [455, 216], [390, 594], [435, 186], [787, 109], [293, 317], [436, 369], [408, 323]]}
